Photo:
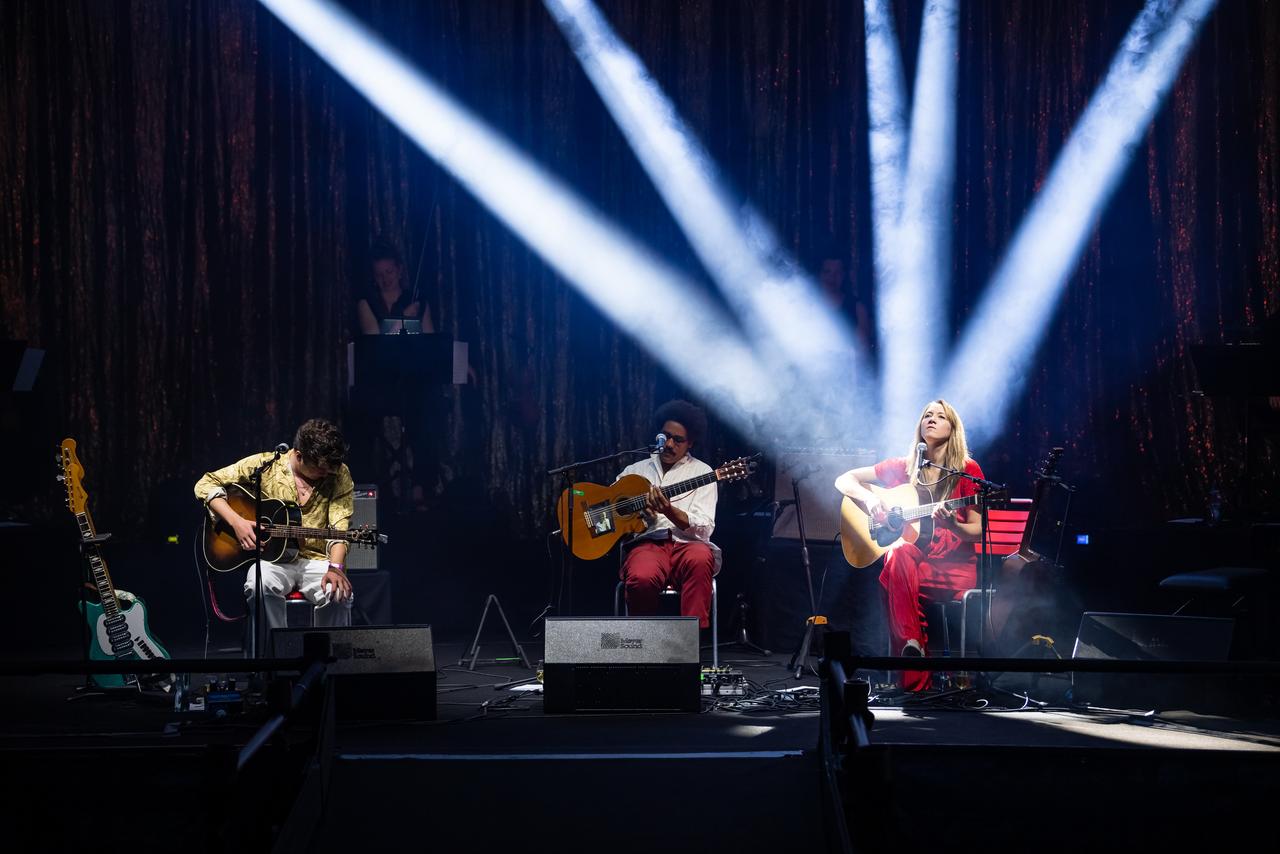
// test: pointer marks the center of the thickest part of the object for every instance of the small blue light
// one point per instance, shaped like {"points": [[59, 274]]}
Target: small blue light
{"points": [[1082, 539]]}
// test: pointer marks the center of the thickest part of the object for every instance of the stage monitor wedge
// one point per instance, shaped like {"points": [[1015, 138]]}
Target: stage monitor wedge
{"points": [[380, 672], [616, 664]]}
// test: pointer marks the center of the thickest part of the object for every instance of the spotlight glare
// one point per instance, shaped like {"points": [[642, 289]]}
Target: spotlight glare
{"points": [[913, 297], [989, 367], [695, 340], [778, 304]]}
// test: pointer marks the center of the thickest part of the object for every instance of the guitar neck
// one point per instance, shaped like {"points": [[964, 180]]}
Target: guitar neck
{"points": [[688, 485], [299, 532], [928, 509], [98, 566]]}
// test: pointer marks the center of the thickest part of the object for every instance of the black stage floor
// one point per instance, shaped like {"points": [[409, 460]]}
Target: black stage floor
{"points": [[493, 770]]}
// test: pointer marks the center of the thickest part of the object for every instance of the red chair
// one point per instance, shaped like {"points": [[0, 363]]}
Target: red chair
{"points": [[1006, 525]]}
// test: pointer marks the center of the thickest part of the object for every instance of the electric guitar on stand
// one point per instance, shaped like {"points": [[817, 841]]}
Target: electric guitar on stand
{"points": [[117, 623]]}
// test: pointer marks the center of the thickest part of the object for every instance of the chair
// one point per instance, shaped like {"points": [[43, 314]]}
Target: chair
{"points": [[215, 589], [1241, 593], [1006, 525], [620, 609]]}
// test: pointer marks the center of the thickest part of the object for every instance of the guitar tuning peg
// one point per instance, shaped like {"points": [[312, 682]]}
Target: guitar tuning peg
{"points": [[62, 478]]}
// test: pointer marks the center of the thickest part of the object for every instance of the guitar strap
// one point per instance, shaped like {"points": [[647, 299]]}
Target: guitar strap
{"points": [[217, 610]]}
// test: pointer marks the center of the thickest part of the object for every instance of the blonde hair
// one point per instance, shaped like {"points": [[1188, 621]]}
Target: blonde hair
{"points": [[957, 448]]}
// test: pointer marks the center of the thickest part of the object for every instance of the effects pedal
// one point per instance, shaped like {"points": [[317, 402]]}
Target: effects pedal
{"points": [[723, 682]]}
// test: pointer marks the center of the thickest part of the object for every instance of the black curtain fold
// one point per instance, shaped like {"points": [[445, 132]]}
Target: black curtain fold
{"points": [[190, 194]]}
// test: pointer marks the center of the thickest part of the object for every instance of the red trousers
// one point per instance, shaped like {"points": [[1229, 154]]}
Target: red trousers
{"points": [[652, 565], [906, 571]]}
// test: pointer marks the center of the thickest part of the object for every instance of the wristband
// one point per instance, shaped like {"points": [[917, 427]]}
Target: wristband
{"points": [[337, 566]]}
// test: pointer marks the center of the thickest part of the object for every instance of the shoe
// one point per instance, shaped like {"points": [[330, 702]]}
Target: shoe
{"points": [[912, 649]]}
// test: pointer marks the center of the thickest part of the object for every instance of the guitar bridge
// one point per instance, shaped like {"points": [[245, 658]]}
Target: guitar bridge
{"points": [[599, 519]]}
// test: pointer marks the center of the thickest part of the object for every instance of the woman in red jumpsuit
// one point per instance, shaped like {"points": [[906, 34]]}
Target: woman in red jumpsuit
{"points": [[945, 566]]}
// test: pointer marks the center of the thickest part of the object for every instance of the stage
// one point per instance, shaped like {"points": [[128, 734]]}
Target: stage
{"points": [[745, 774], [933, 327]]}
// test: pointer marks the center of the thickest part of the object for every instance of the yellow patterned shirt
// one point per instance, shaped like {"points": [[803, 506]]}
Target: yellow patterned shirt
{"points": [[330, 506]]}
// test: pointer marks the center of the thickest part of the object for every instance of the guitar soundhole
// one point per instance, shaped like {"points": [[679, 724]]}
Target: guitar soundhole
{"points": [[599, 519]]}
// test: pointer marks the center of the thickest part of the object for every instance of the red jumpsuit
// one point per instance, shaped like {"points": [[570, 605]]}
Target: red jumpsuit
{"points": [[940, 569]]}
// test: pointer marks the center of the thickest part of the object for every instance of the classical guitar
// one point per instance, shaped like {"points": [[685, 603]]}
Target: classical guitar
{"points": [[910, 519], [604, 514], [279, 530], [117, 625]]}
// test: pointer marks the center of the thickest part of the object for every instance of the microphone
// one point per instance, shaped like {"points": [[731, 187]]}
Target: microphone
{"points": [[659, 442], [920, 449], [282, 447]]}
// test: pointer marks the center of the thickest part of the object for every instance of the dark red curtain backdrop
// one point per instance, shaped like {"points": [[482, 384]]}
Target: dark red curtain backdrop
{"points": [[189, 195]]}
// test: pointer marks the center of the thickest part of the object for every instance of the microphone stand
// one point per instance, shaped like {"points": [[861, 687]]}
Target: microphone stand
{"points": [[986, 489], [257, 551], [815, 622], [569, 471]]}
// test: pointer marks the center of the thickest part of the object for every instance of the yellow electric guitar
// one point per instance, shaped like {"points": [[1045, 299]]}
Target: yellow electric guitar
{"points": [[910, 519], [603, 514]]}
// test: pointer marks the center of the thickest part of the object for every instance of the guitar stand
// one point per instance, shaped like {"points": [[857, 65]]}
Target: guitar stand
{"points": [[473, 654], [743, 641], [90, 688]]}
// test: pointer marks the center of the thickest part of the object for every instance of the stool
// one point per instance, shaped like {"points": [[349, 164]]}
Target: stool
{"points": [[298, 611], [1226, 580], [1223, 590]]}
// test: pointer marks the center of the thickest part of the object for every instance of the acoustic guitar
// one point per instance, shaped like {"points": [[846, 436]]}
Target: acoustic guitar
{"points": [[118, 626], [279, 530], [910, 519], [604, 514]]}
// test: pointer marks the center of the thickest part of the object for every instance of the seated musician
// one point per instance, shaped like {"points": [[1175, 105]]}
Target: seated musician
{"points": [[313, 475], [386, 297], [675, 549], [947, 565]]}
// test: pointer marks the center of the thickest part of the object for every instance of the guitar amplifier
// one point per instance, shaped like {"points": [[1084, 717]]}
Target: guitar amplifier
{"points": [[813, 471], [601, 664], [365, 512], [381, 672]]}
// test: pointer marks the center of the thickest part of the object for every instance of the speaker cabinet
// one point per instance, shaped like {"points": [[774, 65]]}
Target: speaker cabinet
{"points": [[1151, 637], [614, 664], [364, 512], [381, 672]]}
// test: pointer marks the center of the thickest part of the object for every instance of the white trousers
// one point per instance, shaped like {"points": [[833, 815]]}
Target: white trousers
{"points": [[281, 579]]}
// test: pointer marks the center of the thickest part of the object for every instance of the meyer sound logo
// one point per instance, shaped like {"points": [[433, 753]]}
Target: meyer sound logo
{"points": [[344, 651], [614, 640]]}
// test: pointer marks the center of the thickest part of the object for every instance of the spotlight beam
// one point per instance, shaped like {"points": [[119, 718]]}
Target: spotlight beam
{"points": [[776, 301], [989, 366], [914, 326], [619, 276]]}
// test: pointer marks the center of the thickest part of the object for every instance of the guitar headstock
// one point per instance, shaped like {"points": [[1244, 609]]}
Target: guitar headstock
{"points": [[738, 469], [72, 476], [366, 536], [1049, 467]]}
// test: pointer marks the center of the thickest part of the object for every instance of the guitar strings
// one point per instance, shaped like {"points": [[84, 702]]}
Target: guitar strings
{"points": [[594, 515]]}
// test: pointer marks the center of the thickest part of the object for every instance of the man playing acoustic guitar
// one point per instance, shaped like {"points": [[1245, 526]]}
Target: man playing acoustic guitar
{"points": [[313, 475], [676, 546]]}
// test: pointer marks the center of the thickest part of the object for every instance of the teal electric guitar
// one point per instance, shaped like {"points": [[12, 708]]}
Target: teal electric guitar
{"points": [[117, 629]]}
